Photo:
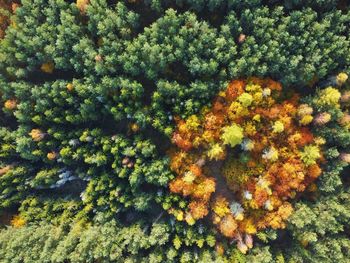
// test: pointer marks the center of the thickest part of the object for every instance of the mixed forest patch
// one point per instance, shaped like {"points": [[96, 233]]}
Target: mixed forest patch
{"points": [[174, 131]]}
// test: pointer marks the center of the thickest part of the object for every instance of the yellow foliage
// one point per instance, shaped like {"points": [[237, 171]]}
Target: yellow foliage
{"points": [[257, 117], [189, 219], [341, 78], [10, 104], [180, 216], [192, 123], [305, 120], [250, 129], [37, 135], [232, 135], [248, 226], [253, 88], [47, 67], [236, 110], [134, 127], [17, 221], [329, 96], [310, 154], [51, 155], [70, 86], [189, 177], [257, 97], [221, 206], [278, 127], [216, 152], [245, 99]]}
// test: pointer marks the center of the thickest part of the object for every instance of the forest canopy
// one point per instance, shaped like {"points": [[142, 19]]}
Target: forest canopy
{"points": [[174, 131]]}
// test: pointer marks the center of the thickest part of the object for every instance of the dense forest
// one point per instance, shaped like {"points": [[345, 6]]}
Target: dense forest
{"points": [[175, 131]]}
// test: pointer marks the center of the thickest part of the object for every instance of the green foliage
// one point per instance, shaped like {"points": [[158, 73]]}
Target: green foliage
{"points": [[322, 228], [60, 210], [329, 215], [86, 97], [71, 49], [107, 242], [310, 42]]}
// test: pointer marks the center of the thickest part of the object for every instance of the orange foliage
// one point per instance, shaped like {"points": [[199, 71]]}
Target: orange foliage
{"points": [[314, 171], [198, 209], [5, 169], [228, 226], [182, 143], [82, 5], [234, 89], [264, 170], [204, 189], [306, 136], [277, 218], [196, 170]]}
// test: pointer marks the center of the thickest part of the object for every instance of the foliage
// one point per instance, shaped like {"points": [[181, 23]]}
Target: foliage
{"points": [[7, 7], [92, 92], [272, 166]]}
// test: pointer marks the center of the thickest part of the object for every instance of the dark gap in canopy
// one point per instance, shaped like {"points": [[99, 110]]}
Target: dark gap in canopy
{"points": [[178, 72], [161, 141], [39, 77], [147, 15], [149, 87]]}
